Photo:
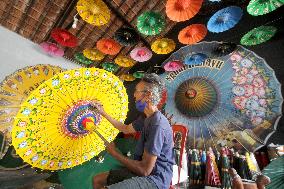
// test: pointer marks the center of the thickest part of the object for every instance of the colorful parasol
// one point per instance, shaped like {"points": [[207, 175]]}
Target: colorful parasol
{"points": [[173, 65], [51, 49], [261, 7], [258, 35], [139, 74], [141, 54], [108, 46], [14, 89], [127, 77], [124, 61], [57, 128], [126, 36], [195, 59], [233, 97], [94, 12], [150, 23], [224, 49], [275, 171], [182, 10], [82, 59], [163, 46], [192, 34], [109, 66], [64, 37], [224, 19], [93, 54]]}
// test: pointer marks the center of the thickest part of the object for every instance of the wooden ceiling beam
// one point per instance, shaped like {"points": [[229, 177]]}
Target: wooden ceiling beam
{"points": [[24, 16]]}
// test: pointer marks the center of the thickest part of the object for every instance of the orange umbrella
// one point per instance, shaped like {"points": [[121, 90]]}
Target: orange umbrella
{"points": [[192, 34], [182, 10], [108, 46]]}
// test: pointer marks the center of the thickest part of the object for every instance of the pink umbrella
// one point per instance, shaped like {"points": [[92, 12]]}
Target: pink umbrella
{"points": [[141, 54], [51, 49], [173, 65]]}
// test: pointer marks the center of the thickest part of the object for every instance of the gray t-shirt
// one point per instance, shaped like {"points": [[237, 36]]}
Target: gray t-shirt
{"points": [[157, 139]]}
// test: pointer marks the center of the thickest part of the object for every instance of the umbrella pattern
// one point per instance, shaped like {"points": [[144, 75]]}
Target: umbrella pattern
{"points": [[192, 34], [51, 49], [173, 65], [82, 59], [109, 66], [195, 59], [258, 35], [64, 38], [126, 36], [275, 171], [14, 89], [127, 77], [93, 54], [108, 46], [261, 7], [139, 74], [163, 46], [150, 23], [141, 54], [94, 12], [224, 19], [124, 61], [57, 128]]}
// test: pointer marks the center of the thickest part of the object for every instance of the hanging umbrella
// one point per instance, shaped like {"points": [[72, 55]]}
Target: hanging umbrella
{"points": [[108, 46], [126, 36], [127, 77], [51, 49], [224, 19], [275, 171], [150, 23], [224, 98], [173, 65], [141, 54], [224, 49], [163, 46], [82, 59], [109, 66], [261, 7], [64, 38], [93, 54], [192, 34], [195, 59], [57, 128], [139, 74], [94, 12], [124, 61], [182, 10], [14, 89], [258, 35]]}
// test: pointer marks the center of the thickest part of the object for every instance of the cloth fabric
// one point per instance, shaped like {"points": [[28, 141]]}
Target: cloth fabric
{"points": [[156, 139]]}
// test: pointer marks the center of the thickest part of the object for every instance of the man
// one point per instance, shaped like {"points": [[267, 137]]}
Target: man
{"points": [[152, 166]]}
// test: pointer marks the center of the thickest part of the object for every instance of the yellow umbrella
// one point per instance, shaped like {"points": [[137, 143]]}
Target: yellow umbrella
{"points": [[124, 61], [127, 77], [93, 54], [14, 89], [94, 12], [52, 129], [163, 46]]}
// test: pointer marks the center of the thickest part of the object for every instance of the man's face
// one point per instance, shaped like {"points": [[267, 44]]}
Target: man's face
{"points": [[139, 92]]}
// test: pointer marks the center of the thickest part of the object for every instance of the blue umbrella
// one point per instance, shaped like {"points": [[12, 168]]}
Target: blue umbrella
{"points": [[195, 59], [224, 19]]}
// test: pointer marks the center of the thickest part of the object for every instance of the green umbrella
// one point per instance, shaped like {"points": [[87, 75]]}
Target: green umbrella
{"points": [[258, 35], [138, 74], [275, 171], [150, 23], [261, 7], [109, 66], [82, 59]]}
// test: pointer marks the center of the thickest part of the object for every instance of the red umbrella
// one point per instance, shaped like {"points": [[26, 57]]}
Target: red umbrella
{"points": [[64, 38], [192, 34], [108, 46]]}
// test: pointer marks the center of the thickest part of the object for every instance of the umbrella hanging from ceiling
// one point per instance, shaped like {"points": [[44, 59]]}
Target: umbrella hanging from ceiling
{"points": [[141, 54], [261, 7], [108, 46], [51, 49], [82, 59], [93, 54], [163, 46], [124, 61], [64, 37], [109, 66], [192, 34], [126, 36], [151, 23]]}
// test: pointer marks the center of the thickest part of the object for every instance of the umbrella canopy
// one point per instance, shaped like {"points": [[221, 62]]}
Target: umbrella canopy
{"points": [[109, 66], [150, 23], [94, 12], [224, 19], [127, 77], [195, 59], [64, 38], [275, 171], [182, 10], [124, 61], [141, 54], [57, 128], [126, 36], [82, 59], [224, 49], [139, 74], [224, 98], [173, 65], [93, 54], [51, 49], [163, 46], [258, 35], [192, 34], [261, 7], [14, 89], [108, 46]]}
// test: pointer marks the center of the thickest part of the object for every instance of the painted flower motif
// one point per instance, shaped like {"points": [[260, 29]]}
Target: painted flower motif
{"points": [[22, 123], [77, 73], [241, 80], [42, 91], [96, 73], [36, 72], [250, 113], [69, 163], [260, 92], [263, 102], [35, 158], [115, 83], [248, 90], [21, 134], [51, 164], [252, 104], [66, 76], [23, 144], [235, 57], [60, 164], [240, 102], [249, 78], [43, 162], [92, 154], [28, 152], [33, 101], [260, 112], [85, 157], [87, 73], [238, 90], [104, 75], [26, 112], [253, 71], [55, 82], [256, 120], [244, 71], [258, 82], [246, 63]]}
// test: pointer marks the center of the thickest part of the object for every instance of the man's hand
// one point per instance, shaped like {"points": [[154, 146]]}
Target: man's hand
{"points": [[99, 107], [111, 148]]}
